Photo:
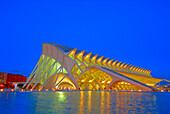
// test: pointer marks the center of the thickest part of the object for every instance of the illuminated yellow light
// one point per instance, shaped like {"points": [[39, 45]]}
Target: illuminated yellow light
{"points": [[137, 69], [150, 84], [118, 64], [104, 61], [110, 62], [22, 89], [131, 67], [113, 64], [61, 96], [94, 58], [162, 90], [46, 89], [2, 90], [61, 93], [139, 90], [87, 56], [90, 81], [39, 90], [99, 60], [73, 86], [102, 81], [80, 54], [53, 89], [108, 82], [121, 83], [30, 89], [134, 68], [82, 81], [125, 65], [125, 83], [122, 65], [72, 52]]}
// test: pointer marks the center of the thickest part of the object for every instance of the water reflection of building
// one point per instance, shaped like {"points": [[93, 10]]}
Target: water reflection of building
{"points": [[85, 102], [117, 102], [61, 67]]}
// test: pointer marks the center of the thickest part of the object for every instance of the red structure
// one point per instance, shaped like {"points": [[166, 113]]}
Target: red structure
{"points": [[15, 78], [7, 80]]}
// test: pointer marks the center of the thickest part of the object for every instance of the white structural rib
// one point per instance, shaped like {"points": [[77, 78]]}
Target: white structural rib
{"points": [[36, 75], [35, 71], [56, 78], [50, 78], [51, 67]]}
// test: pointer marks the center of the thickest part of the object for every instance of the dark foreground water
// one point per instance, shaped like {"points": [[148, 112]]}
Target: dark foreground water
{"points": [[84, 102]]}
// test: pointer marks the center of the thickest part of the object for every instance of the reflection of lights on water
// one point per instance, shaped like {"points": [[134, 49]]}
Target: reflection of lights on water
{"points": [[89, 100], [61, 93], [61, 96]]}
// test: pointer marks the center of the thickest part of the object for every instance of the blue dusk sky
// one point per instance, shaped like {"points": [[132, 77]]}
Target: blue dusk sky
{"points": [[132, 31]]}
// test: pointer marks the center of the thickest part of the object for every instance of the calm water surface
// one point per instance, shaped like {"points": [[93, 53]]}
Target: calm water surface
{"points": [[85, 102]]}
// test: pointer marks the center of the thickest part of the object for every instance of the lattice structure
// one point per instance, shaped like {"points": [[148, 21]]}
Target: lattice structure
{"points": [[61, 67]]}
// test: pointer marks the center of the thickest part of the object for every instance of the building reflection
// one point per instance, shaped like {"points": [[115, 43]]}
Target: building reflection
{"points": [[96, 102], [108, 105], [102, 103], [89, 100], [116, 102], [81, 102], [61, 96]]}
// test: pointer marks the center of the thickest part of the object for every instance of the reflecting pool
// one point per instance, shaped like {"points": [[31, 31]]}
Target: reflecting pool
{"points": [[85, 102]]}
